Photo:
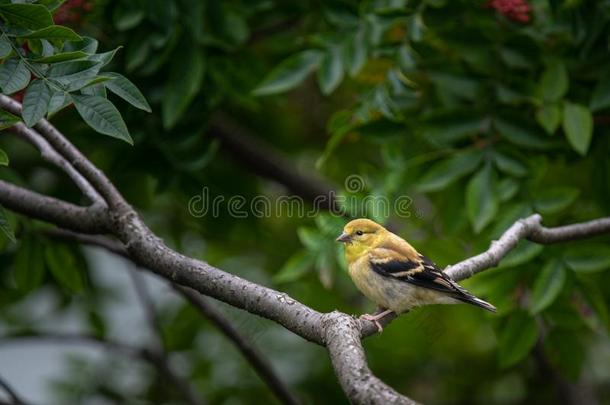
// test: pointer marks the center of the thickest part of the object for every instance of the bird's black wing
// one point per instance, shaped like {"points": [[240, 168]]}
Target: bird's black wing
{"points": [[419, 271], [423, 272]]}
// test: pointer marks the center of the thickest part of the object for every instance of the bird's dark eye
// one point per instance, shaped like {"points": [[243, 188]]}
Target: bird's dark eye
{"points": [[359, 233]]}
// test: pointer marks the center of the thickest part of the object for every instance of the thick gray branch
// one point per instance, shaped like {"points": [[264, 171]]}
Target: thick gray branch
{"points": [[342, 339], [93, 219]]}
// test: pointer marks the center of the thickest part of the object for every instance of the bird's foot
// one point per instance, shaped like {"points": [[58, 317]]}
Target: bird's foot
{"points": [[375, 318]]}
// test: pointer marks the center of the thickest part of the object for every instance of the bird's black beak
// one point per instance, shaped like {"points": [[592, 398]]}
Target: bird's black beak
{"points": [[344, 238]]}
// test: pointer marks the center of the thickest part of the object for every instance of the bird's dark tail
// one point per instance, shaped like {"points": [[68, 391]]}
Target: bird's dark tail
{"points": [[471, 299]]}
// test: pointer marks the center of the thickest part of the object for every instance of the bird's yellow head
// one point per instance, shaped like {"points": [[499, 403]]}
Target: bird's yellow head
{"points": [[360, 236]]}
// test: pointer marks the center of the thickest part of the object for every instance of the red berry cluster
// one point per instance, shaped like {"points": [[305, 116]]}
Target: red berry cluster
{"points": [[71, 12], [516, 10]]}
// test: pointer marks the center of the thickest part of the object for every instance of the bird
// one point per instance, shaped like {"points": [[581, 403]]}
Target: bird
{"points": [[394, 275]]}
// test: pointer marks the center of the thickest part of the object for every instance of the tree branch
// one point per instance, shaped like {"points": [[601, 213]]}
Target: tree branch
{"points": [[92, 219], [50, 155], [265, 161], [10, 391], [343, 341], [338, 332], [258, 362], [158, 353]]}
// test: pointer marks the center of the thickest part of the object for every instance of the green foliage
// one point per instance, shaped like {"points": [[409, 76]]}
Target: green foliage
{"points": [[474, 119], [64, 66]]}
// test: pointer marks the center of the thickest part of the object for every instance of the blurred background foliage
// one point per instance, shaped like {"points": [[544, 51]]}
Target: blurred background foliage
{"points": [[475, 113]]}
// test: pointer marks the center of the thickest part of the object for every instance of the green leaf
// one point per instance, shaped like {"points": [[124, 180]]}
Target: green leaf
{"points": [[548, 285], [122, 87], [601, 95], [578, 126], [7, 119], [517, 338], [5, 227], [74, 74], [444, 173], [5, 47], [554, 82], [566, 352], [104, 58], [35, 102], [549, 117], [355, 53], [481, 200], [310, 238], [61, 57], [14, 76], [521, 135], [4, 160], [54, 32], [102, 116], [295, 267], [58, 101], [87, 45], [509, 165], [589, 258], [289, 73], [94, 90], [507, 188], [185, 77], [32, 16], [63, 266], [554, 200], [330, 72], [523, 253], [29, 265]]}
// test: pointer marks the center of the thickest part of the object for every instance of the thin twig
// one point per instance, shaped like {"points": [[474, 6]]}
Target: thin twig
{"points": [[160, 355], [260, 364], [50, 155], [147, 355], [10, 391]]}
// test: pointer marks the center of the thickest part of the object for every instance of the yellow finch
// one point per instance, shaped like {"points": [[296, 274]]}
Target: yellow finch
{"points": [[390, 272]]}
